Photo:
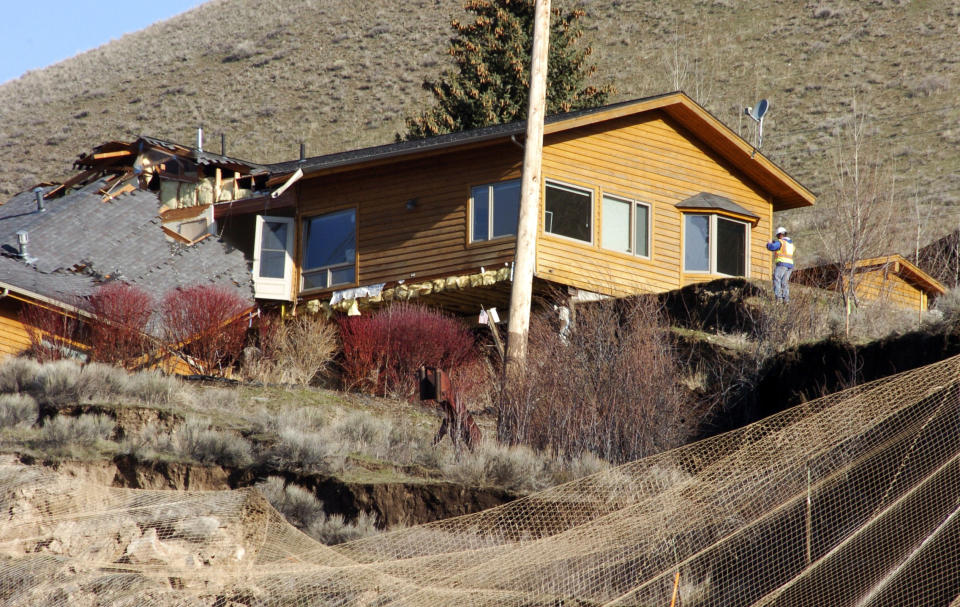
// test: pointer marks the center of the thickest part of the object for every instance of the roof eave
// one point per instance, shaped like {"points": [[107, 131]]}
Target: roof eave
{"points": [[30, 294], [785, 191]]}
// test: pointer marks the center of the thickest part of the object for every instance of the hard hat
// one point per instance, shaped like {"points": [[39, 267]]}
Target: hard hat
{"points": [[781, 230]]}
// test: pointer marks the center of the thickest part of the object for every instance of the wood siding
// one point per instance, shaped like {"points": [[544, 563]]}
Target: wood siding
{"points": [[14, 338], [886, 285], [431, 239], [650, 159]]}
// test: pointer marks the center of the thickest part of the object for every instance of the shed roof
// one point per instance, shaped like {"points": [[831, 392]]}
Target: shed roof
{"points": [[785, 191], [907, 269], [896, 262]]}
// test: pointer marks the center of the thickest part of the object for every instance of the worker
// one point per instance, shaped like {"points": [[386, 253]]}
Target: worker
{"points": [[783, 249]]}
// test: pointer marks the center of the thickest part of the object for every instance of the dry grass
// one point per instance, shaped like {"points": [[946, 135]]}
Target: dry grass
{"points": [[302, 431]]}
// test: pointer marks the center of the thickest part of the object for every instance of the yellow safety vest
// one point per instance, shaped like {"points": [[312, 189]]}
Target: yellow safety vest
{"points": [[785, 252]]}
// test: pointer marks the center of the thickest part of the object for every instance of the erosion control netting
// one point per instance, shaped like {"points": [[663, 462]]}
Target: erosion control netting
{"points": [[851, 500]]}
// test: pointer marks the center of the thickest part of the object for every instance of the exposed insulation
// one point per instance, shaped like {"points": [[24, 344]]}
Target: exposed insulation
{"points": [[410, 291]]}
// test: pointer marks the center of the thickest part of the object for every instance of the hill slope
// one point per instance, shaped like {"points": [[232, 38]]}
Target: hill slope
{"points": [[340, 75]]}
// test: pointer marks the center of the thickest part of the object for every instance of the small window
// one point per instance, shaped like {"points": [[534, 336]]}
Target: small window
{"points": [[715, 244], [568, 211], [273, 249], [626, 226], [496, 208], [329, 250]]}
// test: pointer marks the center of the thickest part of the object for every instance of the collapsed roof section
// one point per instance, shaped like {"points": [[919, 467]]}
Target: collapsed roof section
{"points": [[181, 176], [140, 212]]}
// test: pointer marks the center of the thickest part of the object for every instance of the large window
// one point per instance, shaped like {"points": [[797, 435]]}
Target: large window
{"points": [[715, 244], [495, 210], [568, 211], [329, 250], [625, 226]]}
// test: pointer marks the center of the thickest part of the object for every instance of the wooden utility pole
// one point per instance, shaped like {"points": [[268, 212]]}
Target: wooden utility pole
{"points": [[525, 257]]}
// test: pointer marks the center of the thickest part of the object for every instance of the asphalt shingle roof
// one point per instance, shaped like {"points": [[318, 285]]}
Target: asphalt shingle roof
{"points": [[121, 238], [708, 201], [62, 287]]}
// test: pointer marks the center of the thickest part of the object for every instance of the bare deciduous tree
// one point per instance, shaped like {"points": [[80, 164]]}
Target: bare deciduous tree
{"points": [[692, 63], [858, 225]]}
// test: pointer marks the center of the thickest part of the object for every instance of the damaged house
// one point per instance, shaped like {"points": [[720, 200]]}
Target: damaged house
{"points": [[640, 196], [137, 212]]}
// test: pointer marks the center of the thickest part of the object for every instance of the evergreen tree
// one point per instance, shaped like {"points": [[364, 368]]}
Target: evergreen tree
{"points": [[491, 82]]}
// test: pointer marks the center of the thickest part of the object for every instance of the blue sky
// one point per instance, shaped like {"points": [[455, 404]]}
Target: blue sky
{"points": [[38, 33]]}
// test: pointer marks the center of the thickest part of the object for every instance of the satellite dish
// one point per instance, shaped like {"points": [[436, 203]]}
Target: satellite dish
{"points": [[757, 114], [761, 109]]}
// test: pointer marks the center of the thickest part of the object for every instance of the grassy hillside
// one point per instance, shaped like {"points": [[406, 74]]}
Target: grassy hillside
{"points": [[340, 75]]}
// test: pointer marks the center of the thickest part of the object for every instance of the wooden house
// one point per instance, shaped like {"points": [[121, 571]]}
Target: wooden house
{"points": [[891, 279], [640, 196]]}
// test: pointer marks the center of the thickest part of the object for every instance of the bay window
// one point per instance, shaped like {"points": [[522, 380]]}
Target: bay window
{"points": [[715, 244]]}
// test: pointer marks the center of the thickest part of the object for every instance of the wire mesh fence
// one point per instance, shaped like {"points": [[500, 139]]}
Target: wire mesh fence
{"points": [[851, 499]]}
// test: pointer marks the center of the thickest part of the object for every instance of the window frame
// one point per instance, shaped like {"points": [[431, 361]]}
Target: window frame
{"points": [[304, 271], [712, 244], [632, 235], [491, 209], [593, 210]]}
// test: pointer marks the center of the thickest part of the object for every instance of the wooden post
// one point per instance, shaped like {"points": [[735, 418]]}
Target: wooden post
{"points": [[808, 552], [676, 588], [525, 257]]}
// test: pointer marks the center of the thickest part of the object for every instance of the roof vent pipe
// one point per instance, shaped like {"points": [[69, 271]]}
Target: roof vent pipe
{"points": [[303, 151], [200, 138], [23, 239], [38, 192], [223, 144]]}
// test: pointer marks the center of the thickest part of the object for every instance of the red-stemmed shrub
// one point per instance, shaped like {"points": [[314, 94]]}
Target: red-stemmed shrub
{"points": [[54, 334], [118, 328], [382, 351], [203, 323]]}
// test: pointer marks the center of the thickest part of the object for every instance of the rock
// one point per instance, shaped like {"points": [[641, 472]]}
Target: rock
{"points": [[149, 550], [199, 529]]}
